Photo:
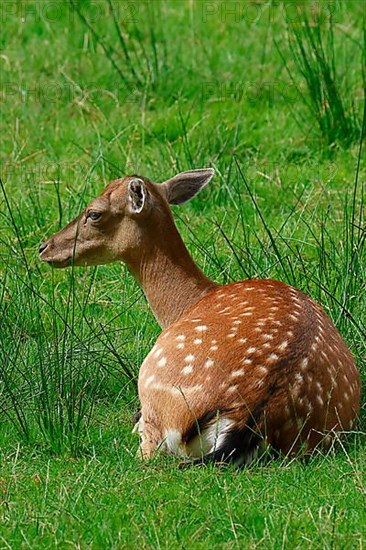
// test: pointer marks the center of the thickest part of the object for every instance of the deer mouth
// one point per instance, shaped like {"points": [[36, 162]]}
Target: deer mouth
{"points": [[46, 254], [58, 264]]}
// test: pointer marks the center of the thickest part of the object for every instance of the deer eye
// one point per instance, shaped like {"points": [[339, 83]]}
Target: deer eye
{"points": [[93, 215]]}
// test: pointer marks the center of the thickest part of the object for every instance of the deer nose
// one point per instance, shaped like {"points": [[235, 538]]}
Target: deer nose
{"points": [[42, 247]]}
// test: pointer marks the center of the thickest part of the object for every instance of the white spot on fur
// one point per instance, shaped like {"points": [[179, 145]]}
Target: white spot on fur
{"points": [[252, 349], [180, 337], [214, 348], [304, 363], [201, 328], [187, 370], [189, 358], [283, 345], [320, 400], [208, 363], [238, 372], [267, 336], [299, 378], [162, 362], [149, 380], [180, 345], [197, 341]]}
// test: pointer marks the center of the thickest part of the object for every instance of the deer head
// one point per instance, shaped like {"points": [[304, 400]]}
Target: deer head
{"points": [[124, 222]]}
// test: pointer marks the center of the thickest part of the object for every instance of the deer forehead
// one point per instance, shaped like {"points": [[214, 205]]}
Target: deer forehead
{"points": [[101, 203]]}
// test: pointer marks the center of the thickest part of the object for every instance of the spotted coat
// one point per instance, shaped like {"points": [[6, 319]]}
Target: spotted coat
{"points": [[257, 360]]}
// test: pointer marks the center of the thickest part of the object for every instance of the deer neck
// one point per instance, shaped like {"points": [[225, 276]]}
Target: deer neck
{"points": [[171, 280]]}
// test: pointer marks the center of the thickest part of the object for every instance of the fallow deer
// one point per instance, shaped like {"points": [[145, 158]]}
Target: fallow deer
{"points": [[236, 367]]}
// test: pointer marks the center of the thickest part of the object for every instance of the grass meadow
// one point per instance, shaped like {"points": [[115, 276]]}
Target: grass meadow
{"points": [[272, 95]]}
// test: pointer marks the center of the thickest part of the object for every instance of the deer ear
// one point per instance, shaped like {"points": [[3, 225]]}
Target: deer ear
{"points": [[136, 195], [185, 186]]}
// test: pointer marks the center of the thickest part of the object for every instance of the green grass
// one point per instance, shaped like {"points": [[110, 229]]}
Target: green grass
{"points": [[106, 89], [329, 103]]}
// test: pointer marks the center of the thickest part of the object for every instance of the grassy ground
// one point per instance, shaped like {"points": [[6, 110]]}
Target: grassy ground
{"points": [[203, 84]]}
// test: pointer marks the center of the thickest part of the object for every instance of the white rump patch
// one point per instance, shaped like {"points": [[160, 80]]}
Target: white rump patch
{"points": [[211, 437], [173, 442]]}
